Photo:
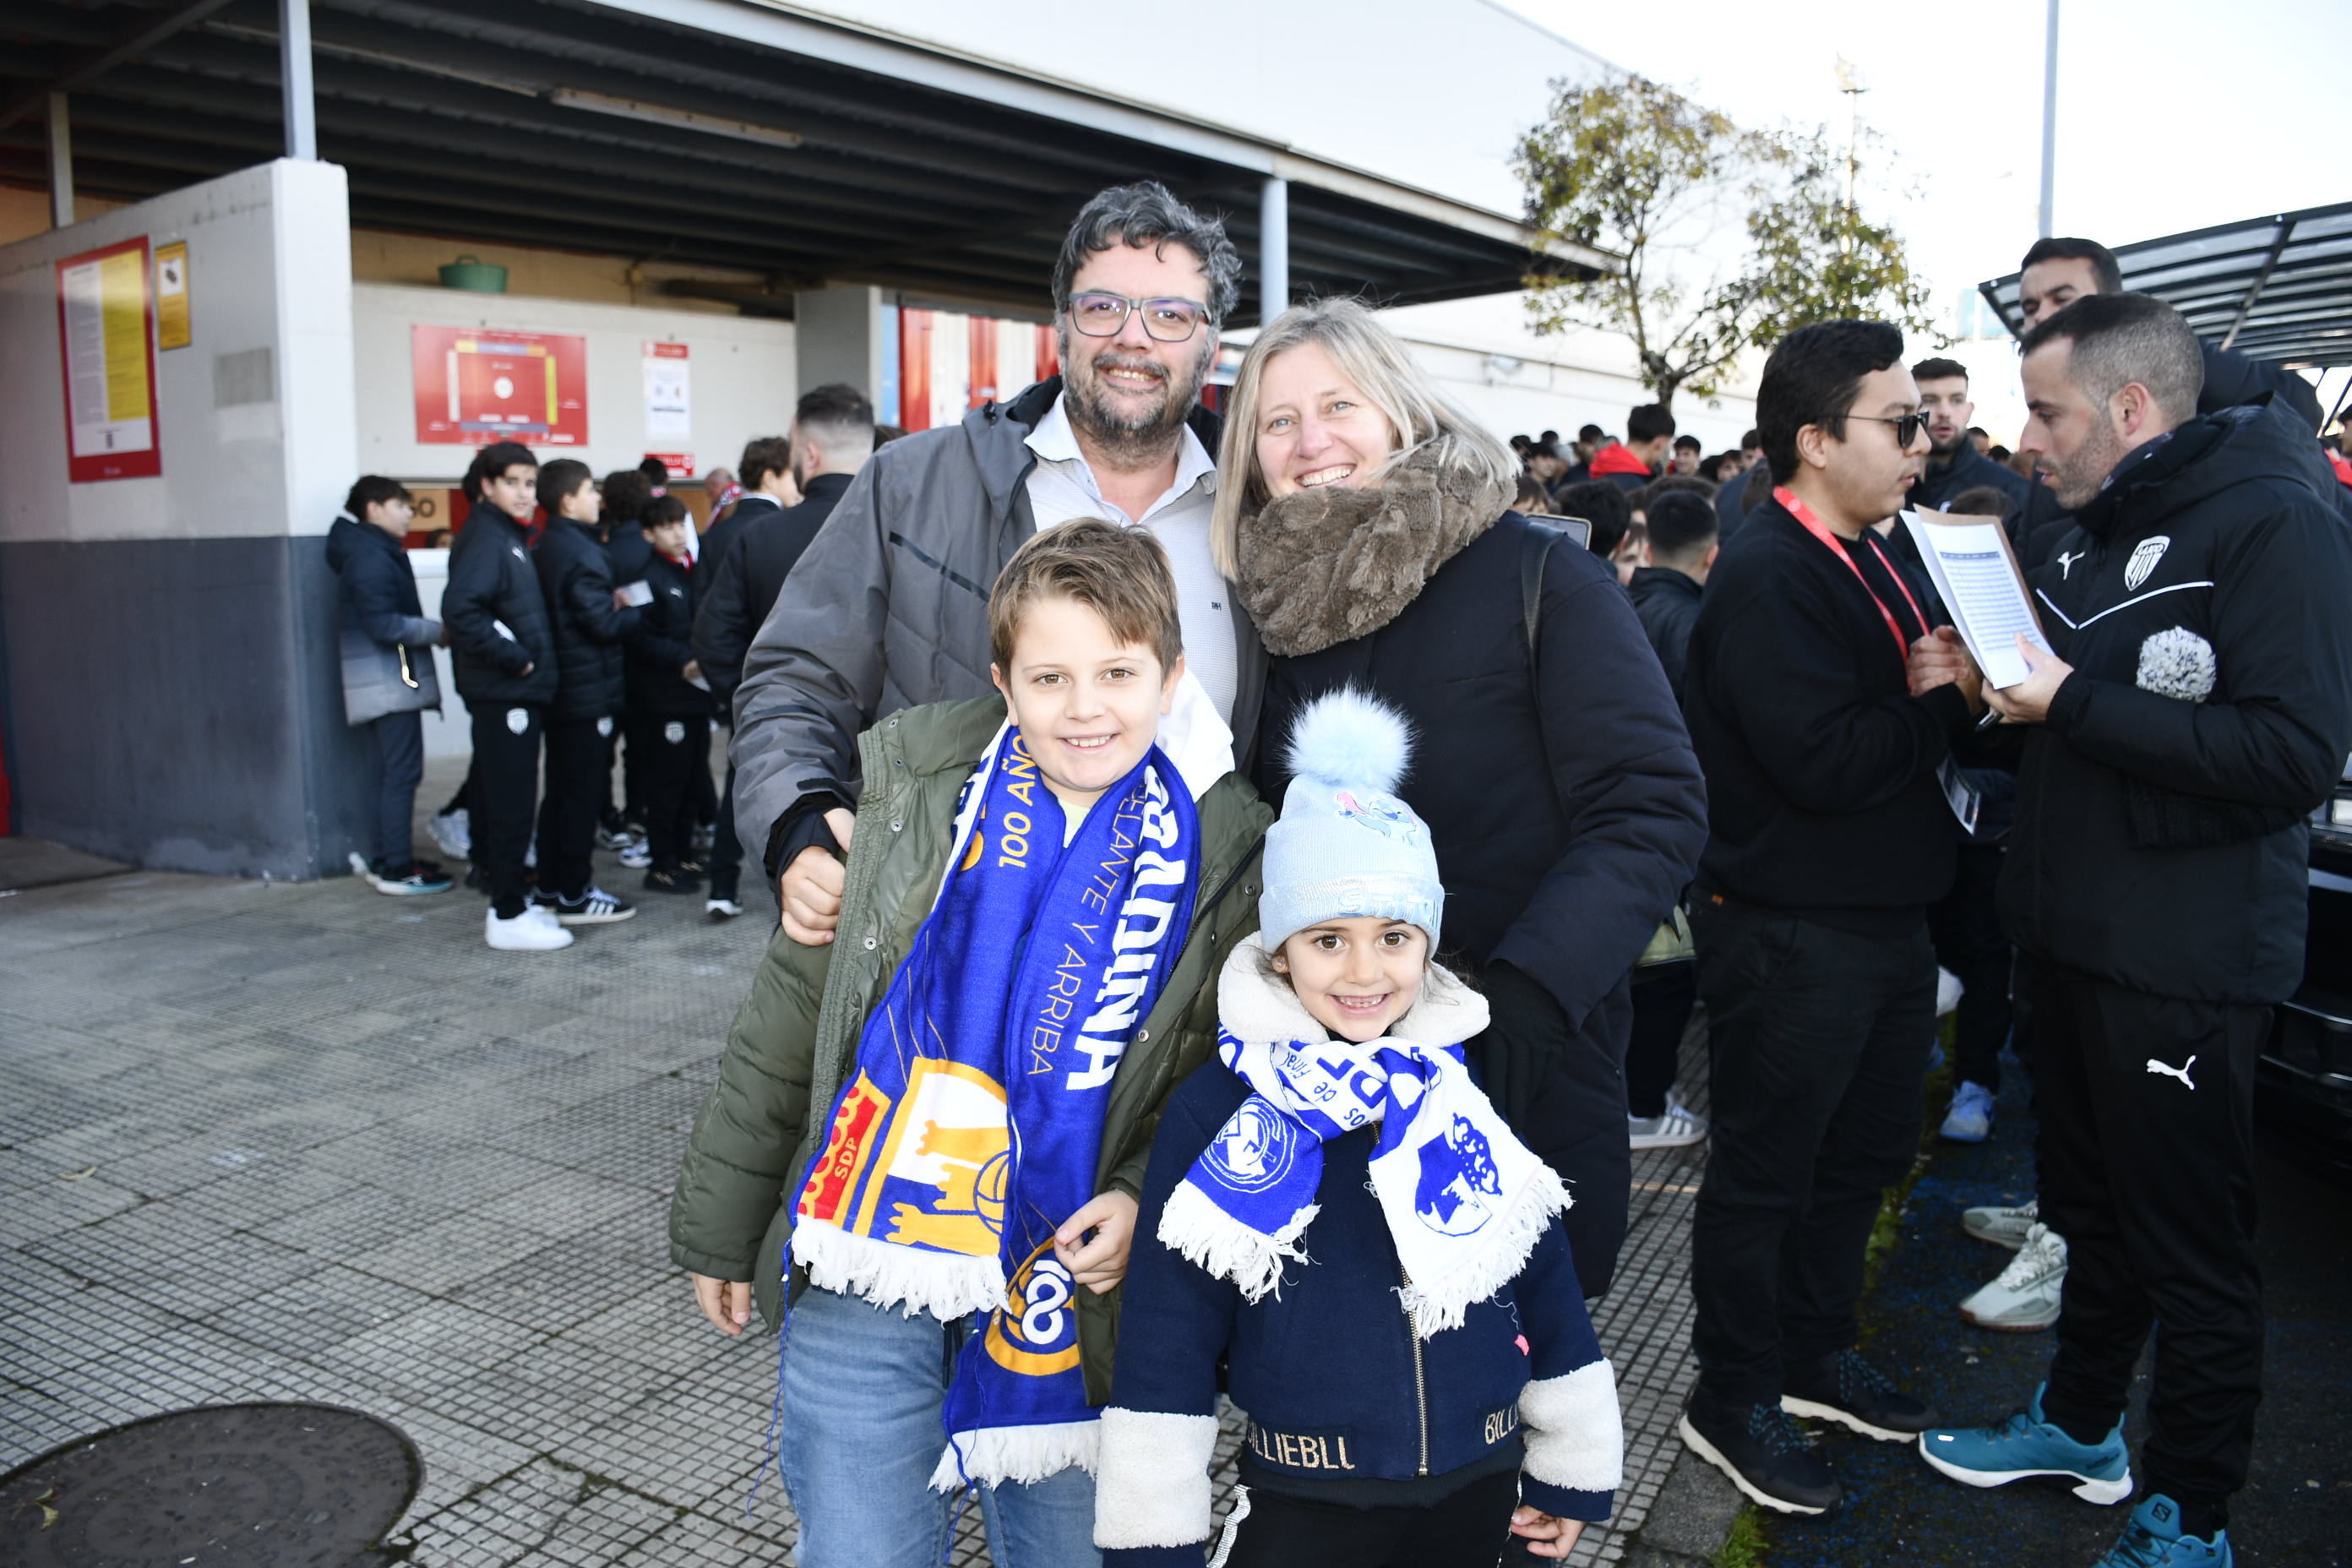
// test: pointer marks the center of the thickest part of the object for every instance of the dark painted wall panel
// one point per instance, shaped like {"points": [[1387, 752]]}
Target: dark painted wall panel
{"points": [[176, 703]]}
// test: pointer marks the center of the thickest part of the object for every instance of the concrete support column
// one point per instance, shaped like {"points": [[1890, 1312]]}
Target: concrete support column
{"points": [[837, 336], [61, 193], [1274, 248], [294, 74]]}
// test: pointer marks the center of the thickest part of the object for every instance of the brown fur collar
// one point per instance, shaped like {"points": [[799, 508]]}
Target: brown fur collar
{"points": [[1326, 566]]}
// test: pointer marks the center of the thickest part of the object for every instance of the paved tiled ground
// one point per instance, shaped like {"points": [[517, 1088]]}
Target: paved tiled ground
{"points": [[302, 1142]]}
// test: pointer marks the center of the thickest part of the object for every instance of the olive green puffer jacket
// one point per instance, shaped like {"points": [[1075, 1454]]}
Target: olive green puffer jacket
{"points": [[795, 1039]]}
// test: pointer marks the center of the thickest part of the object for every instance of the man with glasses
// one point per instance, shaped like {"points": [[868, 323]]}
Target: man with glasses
{"points": [[1823, 706], [888, 607]]}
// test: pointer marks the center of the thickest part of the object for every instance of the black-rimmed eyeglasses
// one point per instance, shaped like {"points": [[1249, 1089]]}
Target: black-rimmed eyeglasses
{"points": [[1165, 320], [1908, 427]]}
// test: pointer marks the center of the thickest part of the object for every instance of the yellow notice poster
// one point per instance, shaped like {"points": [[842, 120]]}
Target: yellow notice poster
{"points": [[172, 295], [106, 337]]}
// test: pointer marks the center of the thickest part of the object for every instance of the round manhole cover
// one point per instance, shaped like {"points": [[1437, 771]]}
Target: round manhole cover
{"points": [[259, 1485]]}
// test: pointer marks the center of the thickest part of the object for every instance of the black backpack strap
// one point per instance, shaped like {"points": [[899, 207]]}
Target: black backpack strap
{"points": [[1535, 549]]}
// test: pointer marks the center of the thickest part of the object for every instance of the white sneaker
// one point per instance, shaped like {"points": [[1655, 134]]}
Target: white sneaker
{"points": [[721, 908], [2025, 1296], [638, 856], [2003, 1226], [454, 832], [533, 930], [1678, 1126]]}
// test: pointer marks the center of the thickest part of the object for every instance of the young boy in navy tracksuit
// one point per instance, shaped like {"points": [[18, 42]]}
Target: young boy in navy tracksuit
{"points": [[1336, 1211], [669, 707]]}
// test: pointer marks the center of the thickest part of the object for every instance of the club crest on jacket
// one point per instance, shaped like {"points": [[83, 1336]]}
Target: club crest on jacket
{"points": [[2144, 557]]}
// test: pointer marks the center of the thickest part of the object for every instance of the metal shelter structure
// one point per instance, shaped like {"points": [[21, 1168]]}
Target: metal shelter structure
{"points": [[733, 134], [2278, 287]]}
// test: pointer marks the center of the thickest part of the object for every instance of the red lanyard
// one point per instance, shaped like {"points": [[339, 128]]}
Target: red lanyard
{"points": [[1804, 514]]}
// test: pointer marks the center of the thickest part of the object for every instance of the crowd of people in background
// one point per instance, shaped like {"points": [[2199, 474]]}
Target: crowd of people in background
{"points": [[1679, 766]]}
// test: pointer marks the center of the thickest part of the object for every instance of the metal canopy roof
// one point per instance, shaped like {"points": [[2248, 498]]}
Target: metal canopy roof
{"points": [[2272, 287], [726, 133]]}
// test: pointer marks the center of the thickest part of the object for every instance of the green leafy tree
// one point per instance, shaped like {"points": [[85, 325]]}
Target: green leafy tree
{"points": [[1634, 168]]}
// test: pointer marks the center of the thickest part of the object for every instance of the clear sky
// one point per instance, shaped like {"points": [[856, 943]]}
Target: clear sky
{"points": [[2173, 115]]}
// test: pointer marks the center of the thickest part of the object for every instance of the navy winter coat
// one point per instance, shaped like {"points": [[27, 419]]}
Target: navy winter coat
{"points": [[384, 640], [575, 578], [497, 615]]}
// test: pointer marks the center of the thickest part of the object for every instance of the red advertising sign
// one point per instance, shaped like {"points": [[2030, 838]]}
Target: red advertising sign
{"points": [[106, 344], [477, 385]]}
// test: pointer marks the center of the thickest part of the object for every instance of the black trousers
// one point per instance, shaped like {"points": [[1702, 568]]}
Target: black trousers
{"points": [[2151, 1181], [667, 751], [1817, 1046], [1466, 1530], [400, 761], [1663, 1000], [506, 788], [578, 777], [726, 849], [1969, 941], [1563, 1089]]}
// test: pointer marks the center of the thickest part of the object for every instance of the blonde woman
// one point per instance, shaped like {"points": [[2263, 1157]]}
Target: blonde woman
{"points": [[1366, 524]]}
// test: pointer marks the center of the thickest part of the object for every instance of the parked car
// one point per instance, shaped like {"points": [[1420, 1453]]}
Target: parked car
{"points": [[2303, 1086]]}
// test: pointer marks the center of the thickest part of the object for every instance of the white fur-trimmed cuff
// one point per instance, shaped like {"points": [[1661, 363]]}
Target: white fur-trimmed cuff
{"points": [[1575, 1433], [1151, 1478]]}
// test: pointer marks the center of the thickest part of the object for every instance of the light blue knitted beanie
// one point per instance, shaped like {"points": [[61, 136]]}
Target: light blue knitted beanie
{"points": [[1346, 846]]}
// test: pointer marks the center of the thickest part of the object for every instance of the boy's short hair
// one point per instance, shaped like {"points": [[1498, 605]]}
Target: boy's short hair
{"points": [[663, 510], [1981, 501], [1120, 573], [1682, 523], [763, 455], [626, 492], [1648, 422], [1531, 493], [2070, 248], [1939, 369], [1600, 503], [373, 489], [1687, 443], [656, 471], [559, 479]]}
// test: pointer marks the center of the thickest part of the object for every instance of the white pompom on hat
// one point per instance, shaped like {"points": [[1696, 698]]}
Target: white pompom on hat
{"points": [[1346, 846]]}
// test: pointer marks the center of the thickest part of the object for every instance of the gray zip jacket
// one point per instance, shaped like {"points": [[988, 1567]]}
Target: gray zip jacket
{"points": [[888, 608]]}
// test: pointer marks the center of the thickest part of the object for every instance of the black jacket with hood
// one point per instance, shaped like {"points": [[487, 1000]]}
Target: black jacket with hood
{"points": [[575, 579], [2161, 835], [496, 617]]}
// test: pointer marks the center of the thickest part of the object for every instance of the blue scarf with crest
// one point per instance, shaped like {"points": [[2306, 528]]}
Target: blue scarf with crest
{"points": [[971, 1126]]}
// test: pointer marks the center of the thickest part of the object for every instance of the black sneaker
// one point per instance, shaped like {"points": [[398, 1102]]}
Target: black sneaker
{"points": [[1764, 1453], [594, 908], [672, 879], [1848, 1390]]}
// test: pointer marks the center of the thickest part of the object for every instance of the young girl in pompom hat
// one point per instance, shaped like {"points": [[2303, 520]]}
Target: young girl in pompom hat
{"points": [[1334, 1209]]}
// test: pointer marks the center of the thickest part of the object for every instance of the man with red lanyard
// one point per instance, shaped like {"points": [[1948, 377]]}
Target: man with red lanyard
{"points": [[1824, 703]]}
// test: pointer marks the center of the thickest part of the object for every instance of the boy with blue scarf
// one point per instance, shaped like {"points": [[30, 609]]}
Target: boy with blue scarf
{"points": [[1335, 1212], [938, 1122]]}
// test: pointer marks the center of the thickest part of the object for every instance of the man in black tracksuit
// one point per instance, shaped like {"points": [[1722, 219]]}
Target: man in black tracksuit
{"points": [[2199, 707], [1823, 706], [586, 626], [669, 715], [503, 653]]}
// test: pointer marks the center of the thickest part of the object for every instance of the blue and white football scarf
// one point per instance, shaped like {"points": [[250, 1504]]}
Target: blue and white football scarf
{"points": [[1466, 1201], [972, 1123]]}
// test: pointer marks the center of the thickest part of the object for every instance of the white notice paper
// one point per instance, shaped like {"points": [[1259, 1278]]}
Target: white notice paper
{"points": [[1983, 589]]}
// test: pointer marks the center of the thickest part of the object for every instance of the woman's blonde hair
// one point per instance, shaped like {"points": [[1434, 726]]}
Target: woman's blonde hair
{"points": [[1427, 424]]}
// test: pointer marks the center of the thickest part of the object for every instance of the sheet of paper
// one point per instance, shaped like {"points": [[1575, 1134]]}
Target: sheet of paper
{"points": [[1984, 590]]}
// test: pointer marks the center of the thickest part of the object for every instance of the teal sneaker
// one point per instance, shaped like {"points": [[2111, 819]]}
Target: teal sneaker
{"points": [[2025, 1445], [2153, 1540]]}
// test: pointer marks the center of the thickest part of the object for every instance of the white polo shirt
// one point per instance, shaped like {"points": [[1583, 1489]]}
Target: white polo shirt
{"points": [[1062, 486]]}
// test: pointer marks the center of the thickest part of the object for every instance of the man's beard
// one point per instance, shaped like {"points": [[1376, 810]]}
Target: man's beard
{"points": [[1945, 451], [1129, 439], [2082, 476]]}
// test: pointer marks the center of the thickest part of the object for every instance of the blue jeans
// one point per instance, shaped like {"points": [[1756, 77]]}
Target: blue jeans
{"points": [[864, 1387]]}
